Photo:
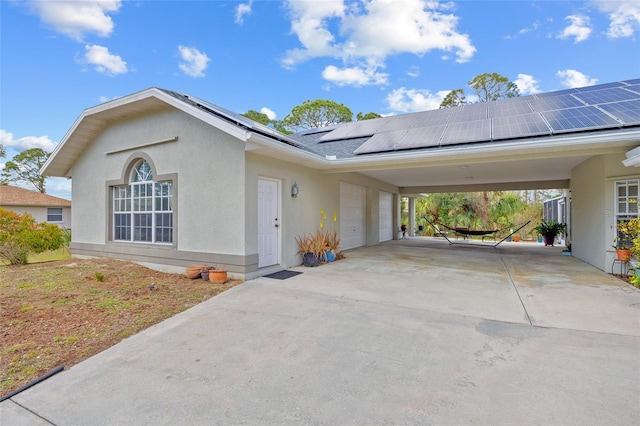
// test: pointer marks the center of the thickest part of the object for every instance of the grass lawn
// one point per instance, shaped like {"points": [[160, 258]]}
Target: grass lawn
{"points": [[59, 312]]}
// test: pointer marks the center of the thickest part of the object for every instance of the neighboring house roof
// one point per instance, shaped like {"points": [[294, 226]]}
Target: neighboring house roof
{"points": [[14, 196], [548, 133]]}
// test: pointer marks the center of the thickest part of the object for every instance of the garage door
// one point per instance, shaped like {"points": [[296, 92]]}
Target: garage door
{"points": [[385, 214], [352, 215]]}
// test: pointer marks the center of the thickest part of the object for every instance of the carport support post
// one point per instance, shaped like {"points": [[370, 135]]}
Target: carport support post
{"points": [[412, 217]]}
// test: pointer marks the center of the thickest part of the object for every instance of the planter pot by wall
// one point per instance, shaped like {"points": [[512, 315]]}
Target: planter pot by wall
{"points": [[330, 255], [217, 276], [193, 272], [623, 254], [548, 240], [310, 259]]}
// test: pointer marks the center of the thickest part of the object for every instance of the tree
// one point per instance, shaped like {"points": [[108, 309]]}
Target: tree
{"points": [[21, 235], [368, 116], [318, 113], [26, 166], [3, 153], [491, 87], [454, 98], [487, 87], [264, 119], [258, 116]]}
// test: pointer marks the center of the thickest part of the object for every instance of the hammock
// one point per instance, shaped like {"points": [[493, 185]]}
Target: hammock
{"points": [[470, 232], [473, 232]]}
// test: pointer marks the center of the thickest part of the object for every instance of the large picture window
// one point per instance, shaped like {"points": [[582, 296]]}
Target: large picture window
{"points": [[142, 210]]}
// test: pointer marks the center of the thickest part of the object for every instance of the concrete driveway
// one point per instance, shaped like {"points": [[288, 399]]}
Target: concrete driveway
{"points": [[407, 332]]}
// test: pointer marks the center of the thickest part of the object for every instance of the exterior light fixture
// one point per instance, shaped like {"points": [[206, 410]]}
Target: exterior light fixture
{"points": [[294, 190]]}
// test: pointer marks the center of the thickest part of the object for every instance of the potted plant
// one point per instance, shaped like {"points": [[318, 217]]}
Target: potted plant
{"points": [[332, 247], [549, 230], [311, 247], [625, 240], [217, 275]]}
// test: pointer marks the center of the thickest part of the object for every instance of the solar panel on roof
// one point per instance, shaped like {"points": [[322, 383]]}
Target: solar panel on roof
{"points": [[599, 87], [615, 94], [433, 117], [421, 137], [399, 123], [505, 108], [550, 103], [470, 131], [469, 113], [633, 87], [381, 142], [555, 93], [628, 112], [517, 126], [582, 118], [634, 81]]}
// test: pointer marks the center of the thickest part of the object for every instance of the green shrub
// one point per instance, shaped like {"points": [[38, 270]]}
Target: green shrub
{"points": [[20, 235]]}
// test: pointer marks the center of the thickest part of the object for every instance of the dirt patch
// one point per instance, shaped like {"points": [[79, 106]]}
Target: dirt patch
{"points": [[60, 313]]}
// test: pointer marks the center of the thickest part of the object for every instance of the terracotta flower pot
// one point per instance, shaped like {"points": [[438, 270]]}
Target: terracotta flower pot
{"points": [[623, 254], [193, 271], [217, 276]]}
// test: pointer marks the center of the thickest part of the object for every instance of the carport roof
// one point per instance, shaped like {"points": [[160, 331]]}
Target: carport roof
{"points": [[606, 108]]}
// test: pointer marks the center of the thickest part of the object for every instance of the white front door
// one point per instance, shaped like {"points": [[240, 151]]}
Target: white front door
{"points": [[352, 215], [385, 215], [268, 222]]}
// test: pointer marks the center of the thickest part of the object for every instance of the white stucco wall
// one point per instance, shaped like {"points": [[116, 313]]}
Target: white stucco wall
{"points": [[208, 166], [593, 208], [318, 190]]}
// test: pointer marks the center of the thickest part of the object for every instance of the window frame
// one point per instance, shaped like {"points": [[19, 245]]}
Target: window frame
{"points": [[627, 200], [142, 211], [49, 214]]}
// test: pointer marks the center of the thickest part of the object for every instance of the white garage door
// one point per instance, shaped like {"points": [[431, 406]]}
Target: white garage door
{"points": [[352, 215], [385, 214]]}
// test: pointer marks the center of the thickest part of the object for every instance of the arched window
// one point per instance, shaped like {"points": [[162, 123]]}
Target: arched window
{"points": [[143, 209]]}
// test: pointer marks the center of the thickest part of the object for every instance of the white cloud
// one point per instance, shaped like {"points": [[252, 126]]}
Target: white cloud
{"points": [[309, 21], [269, 113], [193, 62], [242, 10], [354, 76], [7, 140], [533, 27], [580, 28], [413, 72], [104, 61], [527, 85], [413, 100], [573, 78], [624, 16], [370, 31], [75, 18]]}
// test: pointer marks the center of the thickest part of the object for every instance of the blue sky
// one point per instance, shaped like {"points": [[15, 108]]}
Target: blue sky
{"points": [[390, 57]]}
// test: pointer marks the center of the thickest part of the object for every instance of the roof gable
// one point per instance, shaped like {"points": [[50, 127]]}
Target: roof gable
{"points": [[94, 120]]}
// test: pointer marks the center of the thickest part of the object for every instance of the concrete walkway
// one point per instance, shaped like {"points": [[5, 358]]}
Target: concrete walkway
{"points": [[408, 332]]}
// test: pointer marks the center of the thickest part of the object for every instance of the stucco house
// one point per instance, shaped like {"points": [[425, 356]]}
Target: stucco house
{"points": [[167, 179], [43, 207]]}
